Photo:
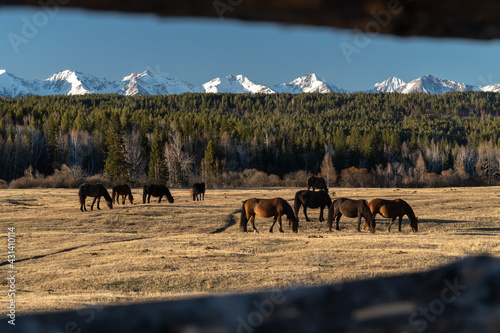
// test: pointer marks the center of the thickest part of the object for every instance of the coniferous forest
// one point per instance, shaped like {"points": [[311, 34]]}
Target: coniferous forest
{"points": [[357, 139]]}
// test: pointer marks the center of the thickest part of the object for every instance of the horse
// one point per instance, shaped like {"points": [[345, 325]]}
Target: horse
{"points": [[198, 191], [310, 199], [317, 182], [276, 208], [394, 208], [122, 190], [93, 190], [351, 208], [156, 191]]}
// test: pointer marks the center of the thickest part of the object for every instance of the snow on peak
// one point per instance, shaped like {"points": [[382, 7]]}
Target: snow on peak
{"points": [[235, 84], [308, 83], [150, 83], [430, 84], [491, 88], [392, 84], [2, 71]]}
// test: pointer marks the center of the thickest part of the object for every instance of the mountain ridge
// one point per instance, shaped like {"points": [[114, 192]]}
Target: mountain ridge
{"points": [[69, 82]]}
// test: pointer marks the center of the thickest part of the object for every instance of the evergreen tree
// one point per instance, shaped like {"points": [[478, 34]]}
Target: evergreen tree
{"points": [[157, 167], [116, 165]]}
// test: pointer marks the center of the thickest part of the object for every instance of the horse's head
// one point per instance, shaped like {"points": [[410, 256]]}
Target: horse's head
{"points": [[110, 204], [414, 224], [131, 198]]}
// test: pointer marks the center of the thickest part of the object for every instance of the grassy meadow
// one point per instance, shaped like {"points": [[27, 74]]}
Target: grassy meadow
{"points": [[67, 259]]}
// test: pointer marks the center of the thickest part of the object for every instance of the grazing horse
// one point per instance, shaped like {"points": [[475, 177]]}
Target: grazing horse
{"points": [[198, 191], [276, 208], [93, 190], [156, 191], [351, 208], [122, 190], [394, 208], [310, 199], [317, 182]]}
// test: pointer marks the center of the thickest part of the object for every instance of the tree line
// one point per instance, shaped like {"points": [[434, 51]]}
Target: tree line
{"points": [[358, 139]]}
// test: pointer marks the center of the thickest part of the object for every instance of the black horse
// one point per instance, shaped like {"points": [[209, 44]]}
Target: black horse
{"points": [[310, 199], [122, 190], [198, 191], [94, 190], [156, 191], [317, 183]]}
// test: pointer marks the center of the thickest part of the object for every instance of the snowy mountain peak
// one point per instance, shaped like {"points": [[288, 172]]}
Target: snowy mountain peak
{"points": [[430, 84], [150, 83], [2, 71], [491, 88], [392, 84], [308, 83], [235, 84]]}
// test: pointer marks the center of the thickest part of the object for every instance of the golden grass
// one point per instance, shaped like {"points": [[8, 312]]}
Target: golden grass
{"points": [[148, 252]]}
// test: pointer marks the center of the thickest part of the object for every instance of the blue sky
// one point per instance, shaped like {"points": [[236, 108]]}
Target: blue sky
{"points": [[36, 44]]}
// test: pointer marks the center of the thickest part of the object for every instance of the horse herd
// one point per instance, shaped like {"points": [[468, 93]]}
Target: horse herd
{"points": [[276, 207], [98, 190]]}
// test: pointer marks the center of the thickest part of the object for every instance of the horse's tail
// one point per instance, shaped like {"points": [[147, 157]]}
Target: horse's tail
{"points": [[243, 220], [192, 193], [331, 213], [296, 204], [144, 193]]}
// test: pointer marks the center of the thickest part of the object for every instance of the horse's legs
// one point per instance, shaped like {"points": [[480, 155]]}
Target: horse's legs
{"points": [[279, 220], [339, 214], [359, 222], [272, 225], [390, 225], [321, 218], [159, 200], [82, 204], [252, 219], [124, 197], [93, 202], [98, 202], [400, 221], [149, 197], [305, 214]]}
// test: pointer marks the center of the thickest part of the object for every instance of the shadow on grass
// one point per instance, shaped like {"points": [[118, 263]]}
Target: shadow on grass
{"points": [[230, 221]]}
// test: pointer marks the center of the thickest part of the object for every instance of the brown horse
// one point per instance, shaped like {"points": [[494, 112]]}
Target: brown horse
{"points": [[310, 199], [351, 208], [93, 190], [276, 208], [394, 208], [317, 182], [198, 191], [122, 190], [156, 191]]}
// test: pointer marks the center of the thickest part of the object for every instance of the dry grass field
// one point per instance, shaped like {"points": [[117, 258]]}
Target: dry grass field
{"points": [[67, 259]]}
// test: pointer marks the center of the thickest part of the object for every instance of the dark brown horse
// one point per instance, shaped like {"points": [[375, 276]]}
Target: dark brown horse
{"points": [[93, 190], [310, 199], [156, 191], [392, 209], [123, 190], [276, 208], [351, 208], [317, 182], [198, 191]]}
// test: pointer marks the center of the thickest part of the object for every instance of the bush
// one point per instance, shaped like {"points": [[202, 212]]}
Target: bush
{"points": [[296, 179]]}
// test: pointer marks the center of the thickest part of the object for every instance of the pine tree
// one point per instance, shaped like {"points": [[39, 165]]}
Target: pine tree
{"points": [[116, 165], [157, 168]]}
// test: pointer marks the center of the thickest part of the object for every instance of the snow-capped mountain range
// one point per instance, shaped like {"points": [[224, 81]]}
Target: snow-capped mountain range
{"points": [[148, 83]]}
